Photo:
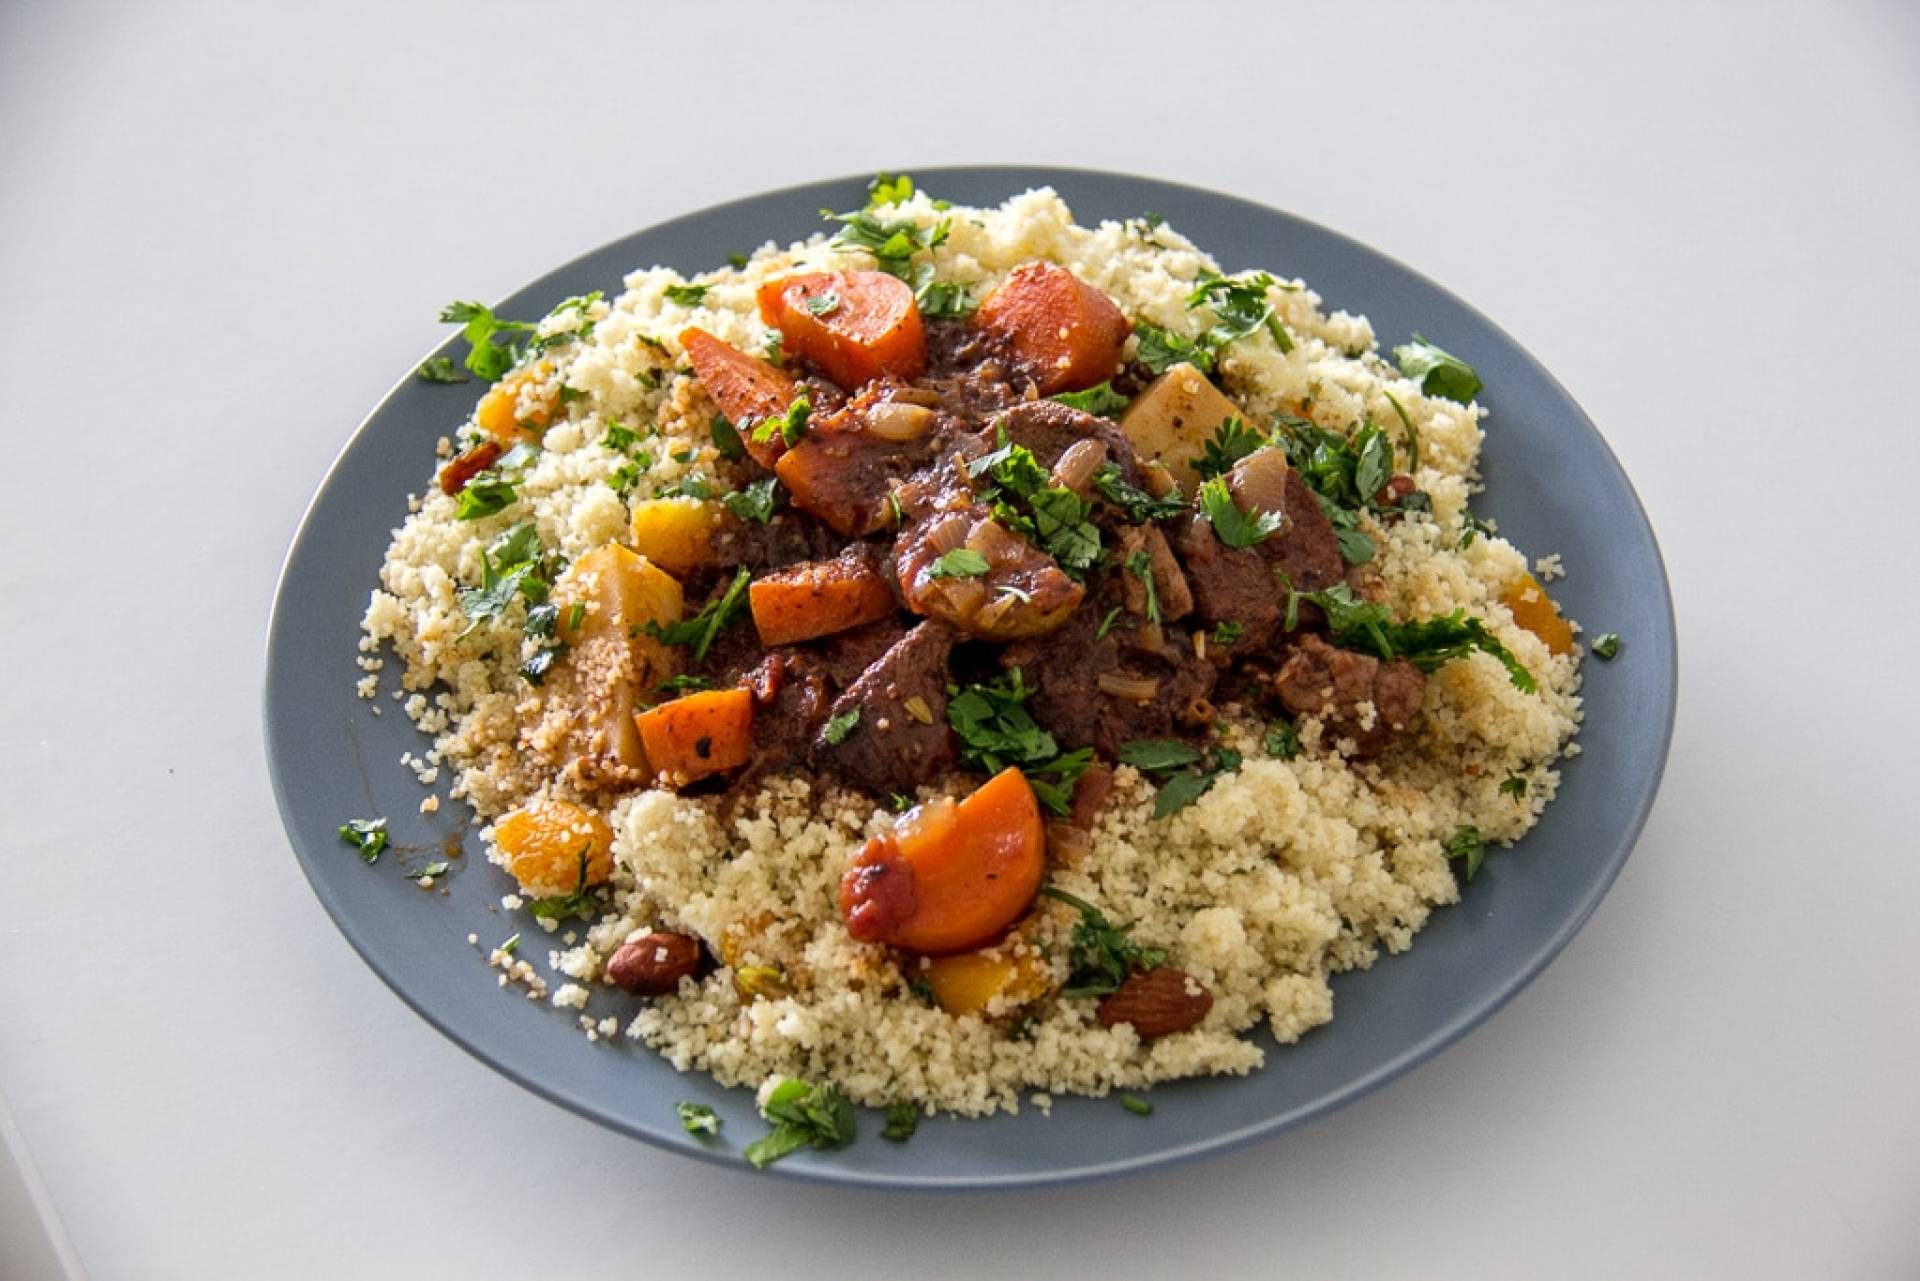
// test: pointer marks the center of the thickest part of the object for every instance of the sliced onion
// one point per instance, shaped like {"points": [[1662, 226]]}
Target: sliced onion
{"points": [[947, 533], [899, 421], [964, 596], [1157, 480], [1150, 637], [1078, 463], [990, 615], [1139, 688], [996, 542]]}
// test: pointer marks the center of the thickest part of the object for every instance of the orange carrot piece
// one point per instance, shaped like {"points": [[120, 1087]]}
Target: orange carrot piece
{"points": [[855, 325], [1066, 333], [746, 388], [818, 598], [697, 735], [949, 878]]}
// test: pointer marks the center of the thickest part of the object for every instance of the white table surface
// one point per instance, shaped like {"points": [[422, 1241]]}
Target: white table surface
{"points": [[226, 228]]}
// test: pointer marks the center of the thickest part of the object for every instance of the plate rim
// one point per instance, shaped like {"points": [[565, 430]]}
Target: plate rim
{"points": [[824, 1172]]}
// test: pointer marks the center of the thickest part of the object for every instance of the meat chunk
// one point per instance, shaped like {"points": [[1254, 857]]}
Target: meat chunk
{"points": [[1073, 703], [902, 737], [847, 654], [1247, 585], [1356, 696], [1048, 429], [790, 698]]}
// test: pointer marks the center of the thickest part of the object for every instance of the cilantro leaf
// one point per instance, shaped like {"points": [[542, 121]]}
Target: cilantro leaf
{"points": [[578, 903], [438, 369], [840, 727], [686, 295], [1469, 848], [488, 356], [1427, 643], [996, 730], [1514, 785], [726, 438], [1605, 646], [803, 1114], [961, 562], [1242, 307], [1100, 953], [756, 502], [892, 244], [703, 628], [1282, 741], [368, 835], [886, 189], [1140, 565], [1234, 527], [903, 1118], [1136, 1105], [1232, 440], [1162, 349], [1157, 754], [1439, 373], [1137, 504], [697, 1119], [1101, 401], [790, 426]]}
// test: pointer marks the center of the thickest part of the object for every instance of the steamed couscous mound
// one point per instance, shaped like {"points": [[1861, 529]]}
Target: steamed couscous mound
{"points": [[1304, 853]]}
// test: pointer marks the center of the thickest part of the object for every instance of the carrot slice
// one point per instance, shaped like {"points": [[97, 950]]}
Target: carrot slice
{"points": [[746, 388], [855, 325], [698, 735], [949, 878], [818, 598], [1066, 333]]}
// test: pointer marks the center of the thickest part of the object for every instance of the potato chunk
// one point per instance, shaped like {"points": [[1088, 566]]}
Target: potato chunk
{"points": [[1173, 418]]}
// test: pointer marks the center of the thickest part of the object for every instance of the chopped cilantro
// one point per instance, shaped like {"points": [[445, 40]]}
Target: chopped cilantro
{"points": [[1426, 643], [618, 437], [368, 835], [1184, 773], [692, 485], [1605, 646], [726, 438], [1139, 506], [697, 1119], [509, 947], [1099, 952], [1242, 307], [1162, 349], [1439, 373], [996, 731], [703, 628], [686, 295], [1226, 633], [1514, 785], [490, 353], [511, 568], [1136, 1105], [790, 426], [684, 684], [1140, 565], [1232, 440], [823, 304], [886, 189], [1106, 624], [431, 869], [840, 726], [1157, 754], [1101, 401], [1234, 527], [803, 1115], [756, 502], [1471, 527], [961, 562], [1056, 518], [1413, 437], [1467, 846], [1282, 741], [737, 261], [903, 1118], [578, 903], [438, 369], [892, 244], [485, 495]]}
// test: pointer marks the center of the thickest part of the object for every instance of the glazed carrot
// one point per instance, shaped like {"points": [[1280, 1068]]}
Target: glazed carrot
{"points": [[746, 388], [818, 598], [831, 475], [697, 735], [1534, 610], [855, 325], [949, 878], [1066, 333]]}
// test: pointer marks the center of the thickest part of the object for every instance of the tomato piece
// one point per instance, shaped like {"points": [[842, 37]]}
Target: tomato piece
{"points": [[855, 325], [1065, 333]]}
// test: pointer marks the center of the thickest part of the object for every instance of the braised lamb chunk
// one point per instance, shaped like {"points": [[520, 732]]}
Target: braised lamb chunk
{"points": [[1247, 586], [1356, 696], [1099, 691], [791, 691], [901, 737], [1048, 429], [849, 653]]}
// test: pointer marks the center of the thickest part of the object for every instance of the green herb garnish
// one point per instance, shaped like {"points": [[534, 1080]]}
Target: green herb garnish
{"points": [[703, 628], [756, 502], [886, 189], [996, 731], [961, 562], [823, 304], [1137, 504], [1136, 1105], [1514, 785], [726, 438], [803, 1115], [1055, 519], [840, 726], [1101, 401], [790, 426], [1140, 565], [1468, 847], [368, 835], [1242, 307], [698, 1119], [686, 295], [1426, 643], [1438, 372], [490, 352], [1226, 633], [1106, 624], [578, 903], [1184, 773], [1234, 527], [903, 1118], [1605, 646], [439, 369], [892, 244], [1101, 954], [431, 869], [510, 569], [1282, 741]]}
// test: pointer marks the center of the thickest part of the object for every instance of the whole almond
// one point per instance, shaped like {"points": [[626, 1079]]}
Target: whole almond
{"points": [[654, 964], [1156, 1002]]}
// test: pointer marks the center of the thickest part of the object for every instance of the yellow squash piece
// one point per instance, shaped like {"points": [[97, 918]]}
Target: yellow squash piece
{"points": [[1173, 419], [1534, 610], [498, 413], [677, 533], [967, 982]]}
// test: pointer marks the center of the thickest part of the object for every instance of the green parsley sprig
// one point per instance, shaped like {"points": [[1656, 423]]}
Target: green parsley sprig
{"points": [[803, 1115], [1100, 953], [1427, 643]]}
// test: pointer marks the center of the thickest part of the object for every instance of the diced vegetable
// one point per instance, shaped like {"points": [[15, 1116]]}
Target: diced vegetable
{"points": [[855, 325], [467, 464], [697, 735], [818, 598], [677, 533], [602, 606], [1067, 333], [967, 982], [1534, 610], [1174, 418], [827, 475], [949, 877], [746, 388], [498, 413], [543, 845]]}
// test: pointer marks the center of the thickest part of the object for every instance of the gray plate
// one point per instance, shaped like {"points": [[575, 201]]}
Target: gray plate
{"points": [[1552, 484]]}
